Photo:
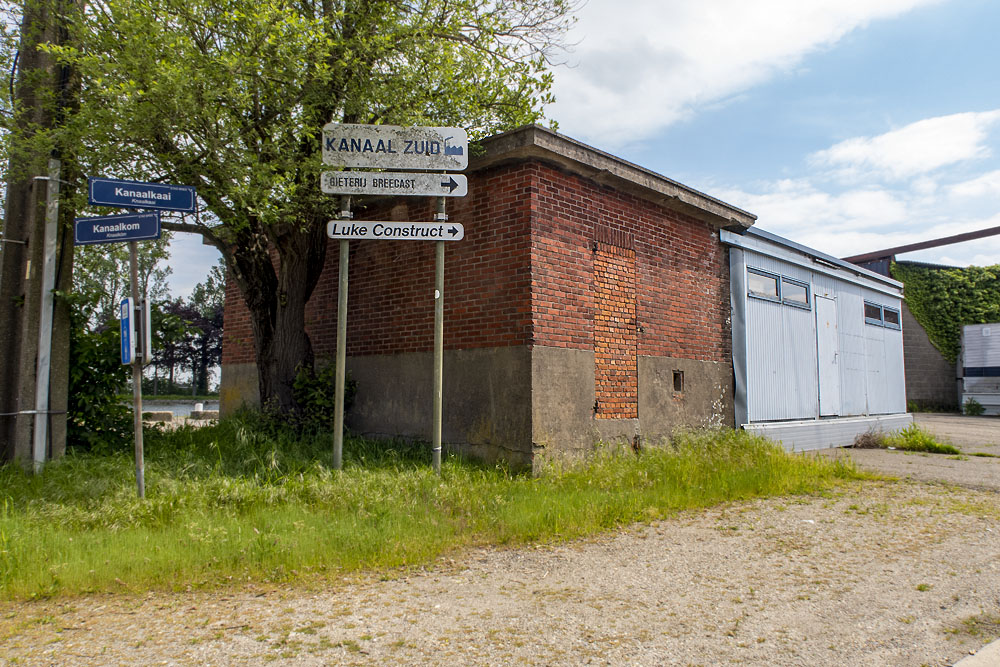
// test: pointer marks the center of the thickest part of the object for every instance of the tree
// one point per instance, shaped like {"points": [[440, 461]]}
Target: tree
{"points": [[101, 276], [171, 334], [230, 96], [208, 300]]}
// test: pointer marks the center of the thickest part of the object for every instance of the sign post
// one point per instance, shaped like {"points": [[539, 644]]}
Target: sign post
{"points": [[133, 194], [117, 228], [140, 466], [136, 338], [338, 390], [438, 342], [434, 149], [394, 147], [393, 183]]}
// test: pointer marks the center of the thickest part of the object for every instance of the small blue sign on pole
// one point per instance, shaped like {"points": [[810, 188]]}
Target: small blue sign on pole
{"points": [[127, 330], [115, 228], [134, 194]]}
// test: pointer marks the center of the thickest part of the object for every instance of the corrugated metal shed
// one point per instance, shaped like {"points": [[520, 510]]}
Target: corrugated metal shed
{"points": [[816, 341]]}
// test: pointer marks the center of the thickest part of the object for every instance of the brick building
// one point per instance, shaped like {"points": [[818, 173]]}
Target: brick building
{"points": [[588, 301]]}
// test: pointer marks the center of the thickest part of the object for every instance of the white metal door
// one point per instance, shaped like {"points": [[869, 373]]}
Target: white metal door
{"points": [[827, 355]]}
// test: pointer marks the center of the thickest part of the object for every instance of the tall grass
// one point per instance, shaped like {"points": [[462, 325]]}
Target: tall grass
{"points": [[248, 501]]}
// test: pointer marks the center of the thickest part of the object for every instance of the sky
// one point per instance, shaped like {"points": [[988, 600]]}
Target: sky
{"points": [[846, 125]]}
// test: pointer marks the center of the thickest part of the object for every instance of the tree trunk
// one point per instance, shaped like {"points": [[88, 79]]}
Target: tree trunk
{"points": [[276, 293]]}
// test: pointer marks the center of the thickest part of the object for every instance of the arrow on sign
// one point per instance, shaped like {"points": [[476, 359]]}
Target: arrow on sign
{"points": [[453, 231], [451, 184]]}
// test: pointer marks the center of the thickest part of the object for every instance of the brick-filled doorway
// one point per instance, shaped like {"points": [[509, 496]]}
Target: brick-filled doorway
{"points": [[616, 375]]}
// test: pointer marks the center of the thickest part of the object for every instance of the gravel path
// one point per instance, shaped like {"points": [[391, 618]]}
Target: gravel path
{"points": [[875, 573]]}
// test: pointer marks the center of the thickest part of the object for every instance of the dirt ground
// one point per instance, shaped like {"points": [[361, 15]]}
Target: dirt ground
{"points": [[972, 435], [875, 573]]}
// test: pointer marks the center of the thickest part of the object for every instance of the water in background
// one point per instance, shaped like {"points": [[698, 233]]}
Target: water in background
{"points": [[179, 408]]}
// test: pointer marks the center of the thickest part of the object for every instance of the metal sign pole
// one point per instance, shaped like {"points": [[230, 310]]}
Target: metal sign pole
{"points": [[133, 265], [438, 338], [338, 406]]}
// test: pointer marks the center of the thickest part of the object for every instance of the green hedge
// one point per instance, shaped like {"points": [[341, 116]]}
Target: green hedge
{"points": [[943, 300]]}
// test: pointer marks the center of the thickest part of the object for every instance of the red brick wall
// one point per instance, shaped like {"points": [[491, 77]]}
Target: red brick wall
{"points": [[682, 285], [237, 332], [391, 283], [523, 274], [616, 370]]}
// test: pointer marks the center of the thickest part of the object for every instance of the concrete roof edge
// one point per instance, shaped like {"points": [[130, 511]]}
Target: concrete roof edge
{"points": [[535, 141]]}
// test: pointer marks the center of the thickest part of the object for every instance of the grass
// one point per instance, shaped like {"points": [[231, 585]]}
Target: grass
{"points": [[910, 439], [244, 501]]}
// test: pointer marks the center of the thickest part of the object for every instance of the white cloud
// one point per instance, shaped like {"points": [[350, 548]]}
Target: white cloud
{"points": [[797, 209], [985, 185], [641, 65], [915, 149]]}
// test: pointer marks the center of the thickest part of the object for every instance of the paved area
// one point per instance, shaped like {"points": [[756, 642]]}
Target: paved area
{"points": [[972, 435]]}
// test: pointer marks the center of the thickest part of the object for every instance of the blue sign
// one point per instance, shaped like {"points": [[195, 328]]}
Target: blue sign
{"points": [[115, 228], [127, 331], [133, 194]]}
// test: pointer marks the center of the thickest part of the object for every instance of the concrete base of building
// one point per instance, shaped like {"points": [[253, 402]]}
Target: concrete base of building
{"points": [[485, 402], [527, 406], [239, 388], [812, 434]]}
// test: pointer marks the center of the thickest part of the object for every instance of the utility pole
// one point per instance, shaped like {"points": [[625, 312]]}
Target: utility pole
{"points": [[40, 80]]}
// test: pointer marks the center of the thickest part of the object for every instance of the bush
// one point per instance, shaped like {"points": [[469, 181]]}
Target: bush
{"points": [[96, 419], [973, 408], [315, 392]]}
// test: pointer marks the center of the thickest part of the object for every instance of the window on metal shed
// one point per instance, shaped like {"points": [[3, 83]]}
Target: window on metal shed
{"points": [[763, 285], [794, 293], [891, 318], [873, 314]]}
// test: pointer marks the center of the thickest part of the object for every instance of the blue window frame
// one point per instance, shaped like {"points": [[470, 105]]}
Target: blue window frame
{"points": [[794, 293], [890, 317], [873, 314], [764, 285], [780, 289], [882, 316]]}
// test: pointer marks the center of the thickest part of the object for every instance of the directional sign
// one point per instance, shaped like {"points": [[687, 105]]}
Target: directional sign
{"points": [[394, 183], [133, 194], [126, 310], [114, 228], [394, 147], [378, 230]]}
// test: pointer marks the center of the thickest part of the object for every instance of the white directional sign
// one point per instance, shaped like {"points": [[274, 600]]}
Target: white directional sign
{"points": [[378, 230], [394, 183], [394, 147]]}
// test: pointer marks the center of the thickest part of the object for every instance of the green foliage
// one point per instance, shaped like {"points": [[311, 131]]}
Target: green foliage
{"points": [[250, 500], [97, 420], [232, 95], [910, 439], [973, 407], [944, 300], [315, 394], [101, 275]]}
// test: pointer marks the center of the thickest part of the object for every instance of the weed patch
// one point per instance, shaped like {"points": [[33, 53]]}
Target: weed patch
{"points": [[985, 627], [910, 439]]}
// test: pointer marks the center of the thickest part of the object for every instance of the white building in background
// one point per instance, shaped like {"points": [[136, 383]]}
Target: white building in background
{"points": [[817, 344], [979, 366]]}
